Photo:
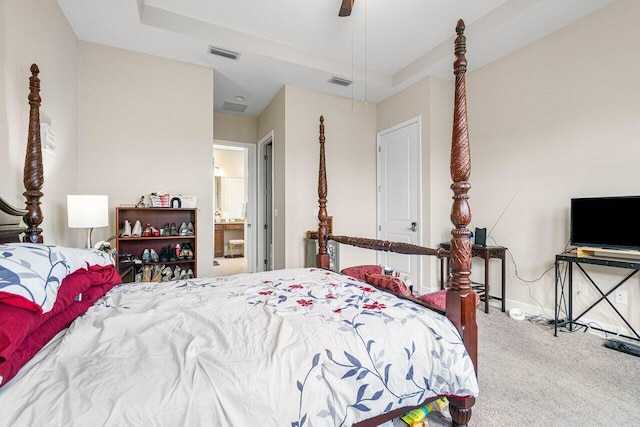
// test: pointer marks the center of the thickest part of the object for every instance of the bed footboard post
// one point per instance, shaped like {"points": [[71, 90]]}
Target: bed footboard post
{"points": [[461, 302], [460, 410], [460, 296], [33, 176], [323, 255]]}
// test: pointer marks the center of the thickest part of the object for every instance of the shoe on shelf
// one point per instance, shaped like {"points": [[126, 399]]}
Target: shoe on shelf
{"points": [[183, 229], [190, 274], [146, 273], [171, 253], [167, 273], [164, 257], [166, 230], [156, 275], [126, 231], [187, 250], [183, 275], [190, 230], [176, 273], [155, 232], [147, 231], [137, 229], [153, 255], [173, 229], [138, 278], [146, 256]]}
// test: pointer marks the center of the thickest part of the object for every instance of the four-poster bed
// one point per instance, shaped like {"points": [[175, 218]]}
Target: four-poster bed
{"points": [[460, 299], [297, 347]]}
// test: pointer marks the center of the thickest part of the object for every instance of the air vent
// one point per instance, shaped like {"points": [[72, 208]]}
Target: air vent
{"points": [[232, 106], [224, 53], [341, 82]]}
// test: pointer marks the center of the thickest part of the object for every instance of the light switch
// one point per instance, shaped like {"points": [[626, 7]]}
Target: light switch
{"points": [[275, 213]]}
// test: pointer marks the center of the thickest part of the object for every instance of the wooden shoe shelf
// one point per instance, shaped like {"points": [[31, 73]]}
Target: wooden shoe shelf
{"points": [[156, 217]]}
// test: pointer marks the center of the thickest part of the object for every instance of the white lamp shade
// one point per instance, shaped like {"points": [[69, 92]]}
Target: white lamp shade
{"points": [[87, 211]]}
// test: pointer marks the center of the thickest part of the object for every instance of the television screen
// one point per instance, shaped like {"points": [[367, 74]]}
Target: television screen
{"points": [[606, 222]]}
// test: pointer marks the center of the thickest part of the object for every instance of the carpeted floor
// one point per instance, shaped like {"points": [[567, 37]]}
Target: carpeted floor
{"points": [[528, 377]]}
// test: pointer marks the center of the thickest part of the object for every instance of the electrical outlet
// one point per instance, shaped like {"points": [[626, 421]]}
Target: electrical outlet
{"points": [[621, 297], [582, 289]]}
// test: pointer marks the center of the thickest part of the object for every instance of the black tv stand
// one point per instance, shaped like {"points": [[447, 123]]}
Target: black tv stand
{"points": [[572, 322]]}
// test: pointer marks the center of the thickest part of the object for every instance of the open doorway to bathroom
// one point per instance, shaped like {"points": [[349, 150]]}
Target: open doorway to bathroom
{"points": [[234, 207]]}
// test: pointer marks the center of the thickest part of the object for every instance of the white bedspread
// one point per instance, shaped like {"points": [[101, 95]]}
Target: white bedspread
{"points": [[295, 348]]}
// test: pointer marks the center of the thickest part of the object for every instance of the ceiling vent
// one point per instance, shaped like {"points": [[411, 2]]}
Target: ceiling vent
{"points": [[224, 53], [340, 82], [232, 106]]}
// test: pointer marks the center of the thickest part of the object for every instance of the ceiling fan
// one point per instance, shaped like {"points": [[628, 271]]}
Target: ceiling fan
{"points": [[345, 8]]}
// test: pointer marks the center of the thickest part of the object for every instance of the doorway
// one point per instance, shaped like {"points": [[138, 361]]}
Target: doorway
{"points": [[399, 189], [265, 203], [234, 208]]}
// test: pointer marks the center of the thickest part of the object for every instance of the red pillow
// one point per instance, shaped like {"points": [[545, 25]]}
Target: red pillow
{"points": [[391, 283], [16, 323], [359, 271], [46, 331], [439, 299]]}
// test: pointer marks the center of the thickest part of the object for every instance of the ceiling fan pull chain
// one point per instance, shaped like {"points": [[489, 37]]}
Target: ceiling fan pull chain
{"points": [[366, 69], [352, 84]]}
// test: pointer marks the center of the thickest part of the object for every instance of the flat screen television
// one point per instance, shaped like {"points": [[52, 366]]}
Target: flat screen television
{"points": [[606, 222]]}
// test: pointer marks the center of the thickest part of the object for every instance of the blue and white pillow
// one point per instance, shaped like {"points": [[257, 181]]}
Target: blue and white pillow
{"points": [[31, 273]]}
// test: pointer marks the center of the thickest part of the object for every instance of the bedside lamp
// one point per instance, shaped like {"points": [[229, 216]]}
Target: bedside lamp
{"points": [[87, 211]]}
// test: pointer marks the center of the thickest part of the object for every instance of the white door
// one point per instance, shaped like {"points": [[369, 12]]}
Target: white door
{"points": [[265, 260], [399, 194]]}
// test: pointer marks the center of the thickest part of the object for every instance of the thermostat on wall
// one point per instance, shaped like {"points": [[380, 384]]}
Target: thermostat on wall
{"points": [[48, 138]]}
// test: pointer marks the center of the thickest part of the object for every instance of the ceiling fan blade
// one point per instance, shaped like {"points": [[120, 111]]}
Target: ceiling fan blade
{"points": [[345, 8]]}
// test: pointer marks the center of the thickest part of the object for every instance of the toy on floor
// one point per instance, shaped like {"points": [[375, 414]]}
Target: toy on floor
{"points": [[416, 418]]}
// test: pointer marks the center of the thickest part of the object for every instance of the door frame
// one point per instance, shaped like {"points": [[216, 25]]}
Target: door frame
{"points": [[416, 120], [261, 205], [250, 220]]}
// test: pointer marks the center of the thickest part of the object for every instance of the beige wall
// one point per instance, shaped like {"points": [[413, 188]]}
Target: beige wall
{"points": [[351, 171], [230, 127], [230, 161], [272, 119], [430, 100], [555, 120], [146, 125], [38, 32]]}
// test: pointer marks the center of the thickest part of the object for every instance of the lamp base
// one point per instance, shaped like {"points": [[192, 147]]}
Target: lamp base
{"points": [[89, 245]]}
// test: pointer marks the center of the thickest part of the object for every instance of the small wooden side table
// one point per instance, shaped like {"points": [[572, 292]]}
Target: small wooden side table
{"points": [[486, 253]]}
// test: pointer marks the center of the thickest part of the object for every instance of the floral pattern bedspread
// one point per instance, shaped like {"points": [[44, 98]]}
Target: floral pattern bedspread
{"points": [[302, 347]]}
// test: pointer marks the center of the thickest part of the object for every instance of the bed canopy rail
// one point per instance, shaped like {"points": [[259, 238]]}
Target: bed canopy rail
{"points": [[388, 246], [460, 300]]}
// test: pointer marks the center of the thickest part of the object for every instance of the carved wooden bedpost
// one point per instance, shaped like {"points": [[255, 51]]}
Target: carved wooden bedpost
{"points": [[461, 303], [33, 177], [323, 255]]}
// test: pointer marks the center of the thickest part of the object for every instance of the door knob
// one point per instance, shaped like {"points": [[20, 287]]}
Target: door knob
{"points": [[413, 227]]}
